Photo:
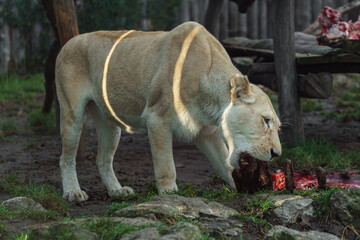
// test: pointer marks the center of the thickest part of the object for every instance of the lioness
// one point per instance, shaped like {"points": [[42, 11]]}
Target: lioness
{"points": [[179, 83]]}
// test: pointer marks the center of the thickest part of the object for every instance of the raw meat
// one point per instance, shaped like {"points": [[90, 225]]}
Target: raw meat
{"points": [[334, 30]]}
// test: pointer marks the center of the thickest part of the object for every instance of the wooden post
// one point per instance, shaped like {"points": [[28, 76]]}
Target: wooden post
{"points": [[67, 27], [252, 22], [212, 16], [262, 16], [285, 67]]}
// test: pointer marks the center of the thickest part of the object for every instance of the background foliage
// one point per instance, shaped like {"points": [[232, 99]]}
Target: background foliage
{"points": [[92, 15]]}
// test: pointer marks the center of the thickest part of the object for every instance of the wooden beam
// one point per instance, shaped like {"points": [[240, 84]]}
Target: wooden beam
{"points": [[49, 73], [285, 68], [311, 85]]}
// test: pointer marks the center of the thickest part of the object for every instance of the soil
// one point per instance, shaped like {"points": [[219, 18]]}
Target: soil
{"points": [[38, 161]]}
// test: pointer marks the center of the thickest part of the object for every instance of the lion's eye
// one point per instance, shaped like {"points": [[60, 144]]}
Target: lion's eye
{"points": [[267, 121]]}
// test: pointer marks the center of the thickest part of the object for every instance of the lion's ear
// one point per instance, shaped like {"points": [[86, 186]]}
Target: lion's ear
{"points": [[240, 89]]}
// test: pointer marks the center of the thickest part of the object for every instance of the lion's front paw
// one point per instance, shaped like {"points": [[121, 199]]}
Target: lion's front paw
{"points": [[122, 191], [76, 196], [164, 189]]}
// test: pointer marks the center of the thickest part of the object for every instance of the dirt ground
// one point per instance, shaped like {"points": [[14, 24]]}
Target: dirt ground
{"points": [[38, 161]]}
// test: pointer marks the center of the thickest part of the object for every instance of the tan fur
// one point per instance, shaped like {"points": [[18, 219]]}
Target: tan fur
{"points": [[179, 83]]}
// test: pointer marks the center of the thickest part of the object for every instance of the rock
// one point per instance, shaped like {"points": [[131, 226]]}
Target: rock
{"points": [[69, 229], [133, 222], [346, 207], [354, 191], [290, 210], [280, 199], [177, 206], [233, 233], [23, 203], [220, 224], [280, 232], [180, 231], [143, 234]]}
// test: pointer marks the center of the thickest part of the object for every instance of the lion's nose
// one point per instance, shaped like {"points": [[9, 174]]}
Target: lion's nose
{"points": [[273, 154]]}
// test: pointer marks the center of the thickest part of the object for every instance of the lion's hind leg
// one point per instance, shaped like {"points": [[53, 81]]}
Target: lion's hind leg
{"points": [[72, 117], [108, 139]]}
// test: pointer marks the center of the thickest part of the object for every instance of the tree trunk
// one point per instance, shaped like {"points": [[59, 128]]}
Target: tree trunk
{"points": [[233, 20], [262, 18], [212, 16], [270, 21], [252, 22], [243, 30], [302, 14], [195, 11], [224, 21], [316, 10], [184, 11], [49, 73], [329, 3], [285, 67]]}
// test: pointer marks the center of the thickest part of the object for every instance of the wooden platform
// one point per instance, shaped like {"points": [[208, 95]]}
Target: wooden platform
{"points": [[314, 64]]}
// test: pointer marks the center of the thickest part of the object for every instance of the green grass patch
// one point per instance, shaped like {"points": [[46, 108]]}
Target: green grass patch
{"points": [[314, 153], [309, 105], [117, 206], [253, 210], [9, 128], [19, 89], [42, 215], [321, 198], [46, 195], [4, 234], [106, 229], [191, 190], [10, 214], [348, 104], [253, 219], [43, 123], [22, 236]]}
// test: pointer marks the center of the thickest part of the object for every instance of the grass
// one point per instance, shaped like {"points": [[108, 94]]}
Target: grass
{"points": [[21, 93], [321, 198], [191, 190], [4, 234], [46, 195], [9, 128], [107, 229], [10, 214], [20, 89], [314, 153], [253, 211], [309, 105], [117, 206], [43, 123], [348, 104]]}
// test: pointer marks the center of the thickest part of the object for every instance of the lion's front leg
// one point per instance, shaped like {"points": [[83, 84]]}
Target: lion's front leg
{"points": [[160, 137], [210, 144]]}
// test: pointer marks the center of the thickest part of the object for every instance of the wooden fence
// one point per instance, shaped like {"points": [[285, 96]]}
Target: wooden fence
{"points": [[255, 24]]}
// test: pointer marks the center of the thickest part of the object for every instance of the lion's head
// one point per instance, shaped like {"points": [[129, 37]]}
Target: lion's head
{"points": [[249, 124]]}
